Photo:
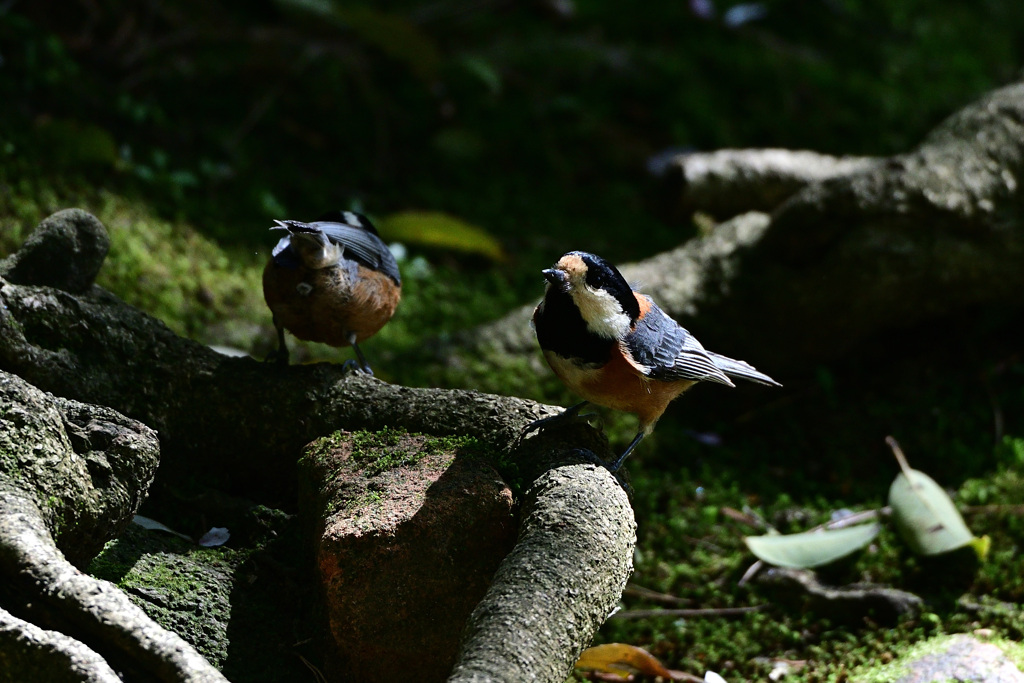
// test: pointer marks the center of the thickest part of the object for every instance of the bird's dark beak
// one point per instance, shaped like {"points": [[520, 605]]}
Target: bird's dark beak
{"points": [[554, 275]]}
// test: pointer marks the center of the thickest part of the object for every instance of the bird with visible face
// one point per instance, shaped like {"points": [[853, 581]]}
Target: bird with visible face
{"points": [[332, 281], [616, 348]]}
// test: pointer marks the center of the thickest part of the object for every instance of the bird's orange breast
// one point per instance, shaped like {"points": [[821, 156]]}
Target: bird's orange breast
{"points": [[326, 306], [619, 385]]}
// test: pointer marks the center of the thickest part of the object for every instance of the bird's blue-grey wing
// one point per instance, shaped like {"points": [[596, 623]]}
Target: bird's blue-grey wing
{"points": [[668, 352], [284, 255], [361, 245]]}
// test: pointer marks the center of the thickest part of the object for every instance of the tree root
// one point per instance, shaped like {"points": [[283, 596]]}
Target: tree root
{"points": [[244, 423], [95, 611], [549, 596], [29, 652], [728, 182]]}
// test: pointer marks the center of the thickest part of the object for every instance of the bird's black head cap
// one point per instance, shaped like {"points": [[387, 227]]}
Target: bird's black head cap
{"points": [[604, 276]]}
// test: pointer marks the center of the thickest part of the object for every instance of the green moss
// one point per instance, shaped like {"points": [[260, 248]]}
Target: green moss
{"points": [[243, 609], [183, 588], [163, 267], [375, 453], [317, 451], [368, 498], [10, 467], [891, 671], [389, 448]]}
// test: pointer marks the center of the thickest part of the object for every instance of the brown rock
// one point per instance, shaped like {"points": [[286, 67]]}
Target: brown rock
{"points": [[412, 531]]}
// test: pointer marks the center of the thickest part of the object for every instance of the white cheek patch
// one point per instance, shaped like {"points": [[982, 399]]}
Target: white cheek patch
{"points": [[601, 311]]}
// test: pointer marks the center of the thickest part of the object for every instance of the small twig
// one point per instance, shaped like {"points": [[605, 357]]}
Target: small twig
{"points": [[317, 674], [992, 509], [743, 517], [636, 591], [691, 613], [854, 519], [751, 572], [997, 410], [707, 545]]}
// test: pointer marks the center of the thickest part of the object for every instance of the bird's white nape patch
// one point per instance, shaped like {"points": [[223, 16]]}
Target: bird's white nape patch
{"points": [[327, 256], [601, 311], [352, 219]]}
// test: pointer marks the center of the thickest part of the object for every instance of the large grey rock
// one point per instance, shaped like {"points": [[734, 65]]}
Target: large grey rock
{"points": [[65, 251]]}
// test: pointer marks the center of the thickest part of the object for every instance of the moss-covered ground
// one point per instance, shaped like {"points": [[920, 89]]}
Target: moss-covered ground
{"points": [[250, 607], [536, 126]]}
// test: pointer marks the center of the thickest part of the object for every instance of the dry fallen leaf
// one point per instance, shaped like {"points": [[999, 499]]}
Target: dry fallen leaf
{"points": [[622, 660]]}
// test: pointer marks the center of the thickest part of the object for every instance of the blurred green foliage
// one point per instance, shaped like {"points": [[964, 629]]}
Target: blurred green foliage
{"points": [[533, 120]]}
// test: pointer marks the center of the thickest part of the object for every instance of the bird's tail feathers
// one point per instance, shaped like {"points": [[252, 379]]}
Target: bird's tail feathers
{"points": [[739, 369]]}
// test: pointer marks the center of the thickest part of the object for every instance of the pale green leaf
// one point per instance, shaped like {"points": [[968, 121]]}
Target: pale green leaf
{"points": [[810, 548], [153, 525], [441, 231], [926, 516]]}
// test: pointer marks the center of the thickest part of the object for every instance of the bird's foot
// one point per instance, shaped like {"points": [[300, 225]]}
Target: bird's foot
{"points": [[278, 357], [360, 365], [356, 366], [569, 415]]}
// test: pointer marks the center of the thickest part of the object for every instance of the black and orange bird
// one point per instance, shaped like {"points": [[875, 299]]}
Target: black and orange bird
{"points": [[332, 281], [615, 348]]}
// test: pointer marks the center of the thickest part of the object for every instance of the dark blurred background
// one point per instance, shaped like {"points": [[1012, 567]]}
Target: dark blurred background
{"points": [[535, 120]]}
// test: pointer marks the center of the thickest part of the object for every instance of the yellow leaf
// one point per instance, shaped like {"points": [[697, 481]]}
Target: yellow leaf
{"points": [[441, 231], [622, 660]]}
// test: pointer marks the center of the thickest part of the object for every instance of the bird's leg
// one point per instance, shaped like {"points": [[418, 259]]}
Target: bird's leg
{"points": [[361, 365], [280, 356], [570, 414], [614, 467]]}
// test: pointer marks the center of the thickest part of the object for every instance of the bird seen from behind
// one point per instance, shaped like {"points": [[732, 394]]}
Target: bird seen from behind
{"points": [[332, 281]]}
